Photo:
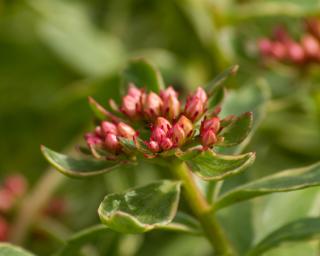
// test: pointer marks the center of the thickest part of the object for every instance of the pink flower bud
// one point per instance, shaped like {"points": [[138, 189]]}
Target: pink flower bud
{"points": [[208, 131], [181, 131], [134, 92], [153, 146], [265, 46], [4, 229], [278, 50], [108, 127], [152, 105], [158, 134], [295, 52], [166, 144], [130, 106], [126, 131], [7, 200], [92, 139], [98, 131], [16, 184], [311, 46], [163, 123], [211, 124], [112, 143], [171, 103], [196, 105], [208, 138]]}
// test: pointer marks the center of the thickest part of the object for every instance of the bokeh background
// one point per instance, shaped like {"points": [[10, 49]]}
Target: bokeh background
{"points": [[55, 53]]}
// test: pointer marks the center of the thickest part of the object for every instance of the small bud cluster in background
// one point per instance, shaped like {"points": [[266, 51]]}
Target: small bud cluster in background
{"points": [[282, 47], [171, 124], [12, 190]]}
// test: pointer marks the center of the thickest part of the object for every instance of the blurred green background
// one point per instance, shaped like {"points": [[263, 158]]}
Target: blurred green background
{"points": [[54, 53]]}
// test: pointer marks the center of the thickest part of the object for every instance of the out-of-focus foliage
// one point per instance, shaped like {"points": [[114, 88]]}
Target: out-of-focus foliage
{"points": [[56, 53]]}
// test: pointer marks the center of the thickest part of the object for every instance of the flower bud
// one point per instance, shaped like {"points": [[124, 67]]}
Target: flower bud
{"points": [[311, 46], [108, 127], [196, 105], [181, 131], [208, 138], [134, 92], [16, 184], [112, 143], [92, 139], [153, 146], [265, 46], [126, 131], [158, 134], [130, 106], [278, 50], [208, 131], [7, 200], [4, 229], [166, 143], [171, 103], [152, 105], [163, 123], [295, 52]]}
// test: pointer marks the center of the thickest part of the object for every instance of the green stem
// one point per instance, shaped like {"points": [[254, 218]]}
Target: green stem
{"points": [[202, 210]]}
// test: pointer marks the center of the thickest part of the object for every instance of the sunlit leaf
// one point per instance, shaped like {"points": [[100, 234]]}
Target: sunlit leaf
{"points": [[141, 209], [288, 180], [12, 250], [78, 168], [211, 166], [303, 229], [143, 74]]}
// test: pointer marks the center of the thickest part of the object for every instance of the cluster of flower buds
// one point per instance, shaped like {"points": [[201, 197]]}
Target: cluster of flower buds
{"points": [[282, 47], [172, 125], [106, 136]]}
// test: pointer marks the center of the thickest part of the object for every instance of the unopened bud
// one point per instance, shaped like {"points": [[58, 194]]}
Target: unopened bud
{"points": [[265, 46], [134, 92], [186, 125], [208, 131], [112, 143], [153, 146], [208, 138], [158, 134], [196, 105], [92, 139], [163, 123], [311, 46], [295, 52], [108, 127], [181, 131], [126, 131], [7, 200], [171, 103], [152, 105], [211, 124], [278, 50], [166, 144], [201, 94], [16, 184]]}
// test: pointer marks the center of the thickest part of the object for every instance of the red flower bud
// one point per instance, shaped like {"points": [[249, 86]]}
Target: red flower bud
{"points": [[7, 200], [171, 103], [163, 123], [108, 127], [278, 50], [186, 125], [208, 131], [131, 103], [153, 146], [158, 134], [92, 139], [112, 143], [181, 131], [295, 52], [196, 105], [311, 46], [125, 130], [265, 46], [134, 92], [4, 229], [16, 184], [166, 144], [152, 105]]}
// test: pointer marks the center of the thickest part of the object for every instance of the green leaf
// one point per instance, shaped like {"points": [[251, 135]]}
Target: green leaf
{"points": [[141, 209], [217, 98], [237, 130], [288, 180], [211, 166], [78, 240], [303, 229], [213, 85], [7, 249], [143, 74], [78, 168]]}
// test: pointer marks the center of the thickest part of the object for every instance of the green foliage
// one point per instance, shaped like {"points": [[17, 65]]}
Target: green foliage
{"points": [[12, 250], [142, 209]]}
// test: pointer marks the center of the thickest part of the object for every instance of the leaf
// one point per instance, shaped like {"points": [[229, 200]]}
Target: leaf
{"points": [[7, 249], [141, 209], [288, 180], [302, 229], [78, 240], [68, 30], [237, 130], [217, 98], [143, 74], [213, 85], [211, 166], [78, 168]]}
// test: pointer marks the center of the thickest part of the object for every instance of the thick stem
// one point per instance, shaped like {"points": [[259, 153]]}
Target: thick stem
{"points": [[203, 211]]}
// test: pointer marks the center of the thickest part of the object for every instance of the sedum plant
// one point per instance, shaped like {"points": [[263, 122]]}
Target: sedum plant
{"points": [[195, 145]]}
